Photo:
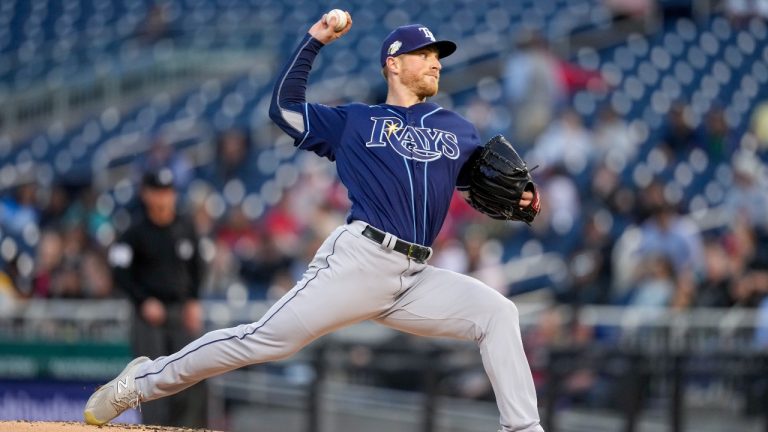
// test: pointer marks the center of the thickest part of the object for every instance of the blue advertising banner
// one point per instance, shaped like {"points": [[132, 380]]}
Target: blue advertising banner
{"points": [[38, 400]]}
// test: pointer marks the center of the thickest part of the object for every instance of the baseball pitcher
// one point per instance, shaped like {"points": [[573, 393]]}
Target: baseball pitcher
{"points": [[401, 161]]}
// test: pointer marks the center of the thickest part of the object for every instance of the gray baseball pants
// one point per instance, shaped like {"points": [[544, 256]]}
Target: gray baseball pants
{"points": [[352, 279]]}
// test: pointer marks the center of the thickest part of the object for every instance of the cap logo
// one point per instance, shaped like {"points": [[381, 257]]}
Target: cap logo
{"points": [[394, 47], [428, 34]]}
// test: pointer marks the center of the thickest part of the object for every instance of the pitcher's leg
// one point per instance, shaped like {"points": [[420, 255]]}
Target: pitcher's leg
{"points": [[331, 295], [277, 335], [443, 303]]}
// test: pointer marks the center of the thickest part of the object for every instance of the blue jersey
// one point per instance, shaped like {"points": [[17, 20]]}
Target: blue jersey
{"points": [[399, 164]]}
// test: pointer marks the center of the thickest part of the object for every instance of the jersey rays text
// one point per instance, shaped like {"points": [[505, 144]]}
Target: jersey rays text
{"points": [[420, 143]]}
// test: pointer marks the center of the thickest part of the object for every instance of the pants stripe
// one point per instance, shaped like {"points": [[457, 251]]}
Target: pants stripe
{"points": [[328, 265]]}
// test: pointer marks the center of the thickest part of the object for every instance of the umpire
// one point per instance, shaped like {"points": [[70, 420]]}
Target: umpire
{"points": [[158, 265]]}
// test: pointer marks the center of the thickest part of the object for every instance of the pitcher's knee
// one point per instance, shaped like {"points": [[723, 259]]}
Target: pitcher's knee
{"points": [[273, 350], [262, 345], [500, 318], [507, 313]]}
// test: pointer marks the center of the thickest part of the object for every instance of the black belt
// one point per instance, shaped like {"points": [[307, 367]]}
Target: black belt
{"points": [[414, 251]]}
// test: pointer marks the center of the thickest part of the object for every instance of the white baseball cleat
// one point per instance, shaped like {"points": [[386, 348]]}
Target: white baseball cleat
{"points": [[114, 397]]}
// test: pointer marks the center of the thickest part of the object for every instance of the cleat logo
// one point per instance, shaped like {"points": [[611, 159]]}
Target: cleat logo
{"points": [[122, 385]]}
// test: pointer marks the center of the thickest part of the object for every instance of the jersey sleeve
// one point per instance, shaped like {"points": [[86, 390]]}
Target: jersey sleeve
{"points": [[324, 126], [314, 127]]}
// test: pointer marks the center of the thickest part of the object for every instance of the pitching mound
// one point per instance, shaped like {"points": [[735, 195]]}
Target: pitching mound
{"points": [[23, 426]]}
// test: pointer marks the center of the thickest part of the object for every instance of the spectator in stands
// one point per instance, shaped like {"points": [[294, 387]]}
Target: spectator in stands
{"points": [[269, 265], [283, 226], [747, 289], [740, 244], [67, 282], [323, 217], [238, 233], [232, 160], [565, 142], [716, 138], [66, 278], [590, 267], [748, 197], [533, 85], [679, 137], [476, 255], [554, 330], [655, 284], [55, 207], [481, 114], [751, 286], [223, 272], [240, 239], [666, 233], [282, 281], [70, 262], [50, 254], [714, 289], [538, 84], [157, 263], [96, 278], [19, 209], [649, 200], [613, 137], [669, 233], [563, 215], [310, 241], [318, 198], [460, 214], [608, 192], [84, 211], [156, 25]]}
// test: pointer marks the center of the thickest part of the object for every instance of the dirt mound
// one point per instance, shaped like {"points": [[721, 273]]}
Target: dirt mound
{"points": [[28, 426]]}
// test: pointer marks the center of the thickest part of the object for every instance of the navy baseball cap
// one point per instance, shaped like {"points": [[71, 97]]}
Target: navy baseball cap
{"points": [[410, 38], [158, 179]]}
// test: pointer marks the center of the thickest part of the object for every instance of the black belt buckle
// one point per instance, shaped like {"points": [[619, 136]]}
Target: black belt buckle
{"points": [[418, 253], [413, 251]]}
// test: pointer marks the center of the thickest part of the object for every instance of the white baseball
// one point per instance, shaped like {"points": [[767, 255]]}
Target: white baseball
{"points": [[341, 19]]}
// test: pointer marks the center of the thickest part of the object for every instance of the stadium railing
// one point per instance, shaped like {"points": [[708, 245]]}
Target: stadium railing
{"points": [[648, 366]]}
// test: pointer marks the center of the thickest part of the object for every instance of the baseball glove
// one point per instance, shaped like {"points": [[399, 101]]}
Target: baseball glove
{"points": [[497, 180]]}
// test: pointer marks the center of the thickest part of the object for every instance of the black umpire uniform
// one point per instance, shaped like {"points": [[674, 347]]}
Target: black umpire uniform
{"points": [[158, 264]]}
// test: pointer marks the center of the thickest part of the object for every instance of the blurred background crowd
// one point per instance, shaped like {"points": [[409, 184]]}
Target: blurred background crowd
{"points": [[655, 142], [647, 120]]}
